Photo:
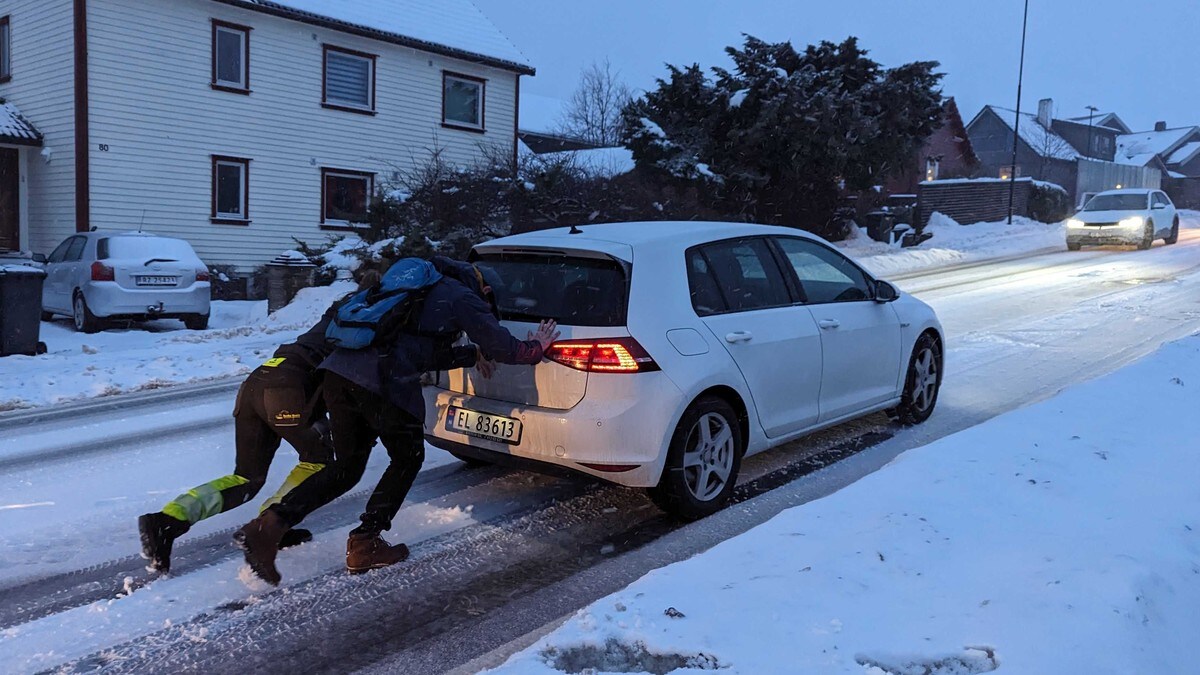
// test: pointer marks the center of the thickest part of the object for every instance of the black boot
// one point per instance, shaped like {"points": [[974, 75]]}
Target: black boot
{"points": [[159, 531], [294, 538], [259, 540]]}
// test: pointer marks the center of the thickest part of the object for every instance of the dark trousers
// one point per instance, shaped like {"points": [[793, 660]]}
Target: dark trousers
{"points": [[358, 417], [270, 408]]}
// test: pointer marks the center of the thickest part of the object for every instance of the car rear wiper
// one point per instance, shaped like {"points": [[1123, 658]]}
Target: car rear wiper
{"points": [[158, 260]]}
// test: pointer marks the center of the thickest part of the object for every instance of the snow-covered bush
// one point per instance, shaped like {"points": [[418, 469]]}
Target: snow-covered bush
{"points": [[1048, 202]]}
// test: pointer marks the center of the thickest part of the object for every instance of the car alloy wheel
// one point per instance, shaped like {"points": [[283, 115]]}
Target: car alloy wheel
{"points": [[85, 321], [708, 458], [922, 383], [925, 384]]}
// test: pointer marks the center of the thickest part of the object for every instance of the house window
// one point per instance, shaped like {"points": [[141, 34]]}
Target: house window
{"points": [[462, 101], [932, 165], [349, 80], [5, 50], [231, 57], [231, 188], [345, 197], [1006, 172]]}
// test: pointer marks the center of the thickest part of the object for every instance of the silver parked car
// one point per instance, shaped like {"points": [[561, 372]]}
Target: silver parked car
{"points": [[94, 276]]}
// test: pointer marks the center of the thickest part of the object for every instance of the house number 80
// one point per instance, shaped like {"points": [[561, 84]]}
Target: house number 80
{"points": [[103, 147]]}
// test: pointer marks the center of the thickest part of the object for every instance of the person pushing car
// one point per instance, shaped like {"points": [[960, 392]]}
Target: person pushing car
{"points": [[374, 393], [279, 401]]}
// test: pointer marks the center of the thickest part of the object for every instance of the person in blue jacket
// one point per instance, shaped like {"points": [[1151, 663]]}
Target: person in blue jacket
{"points": [[375, 394]]}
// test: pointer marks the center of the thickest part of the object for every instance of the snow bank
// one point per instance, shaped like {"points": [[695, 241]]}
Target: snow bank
{"points": [[158, 353], [1048, 540], [953, 244]]}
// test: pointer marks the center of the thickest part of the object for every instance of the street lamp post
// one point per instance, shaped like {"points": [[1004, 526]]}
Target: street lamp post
{"points": [[1012, 172], [1091, 112]]}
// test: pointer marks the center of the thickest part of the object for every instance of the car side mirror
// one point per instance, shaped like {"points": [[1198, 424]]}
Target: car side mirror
{"points": [[39, 258], [885, 292], [1156, 207]]}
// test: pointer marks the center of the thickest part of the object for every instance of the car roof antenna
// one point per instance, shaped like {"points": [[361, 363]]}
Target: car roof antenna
{"points": [[575, 230], [143, 221]]}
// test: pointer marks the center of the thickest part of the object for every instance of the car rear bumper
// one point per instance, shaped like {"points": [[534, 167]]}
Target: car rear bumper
{"points": [[623, 425], [107, 299]]}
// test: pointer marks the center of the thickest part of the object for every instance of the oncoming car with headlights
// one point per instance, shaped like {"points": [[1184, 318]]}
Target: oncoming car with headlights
{"points": [[1124, 217], [685, 346]]}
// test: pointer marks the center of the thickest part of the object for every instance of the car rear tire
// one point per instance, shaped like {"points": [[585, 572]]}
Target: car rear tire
{"points": [[1074, 247], [1147, 237], [702, 462], [922, 383], [196, 322], [47, 316], [1174, 236], [85, 321]]}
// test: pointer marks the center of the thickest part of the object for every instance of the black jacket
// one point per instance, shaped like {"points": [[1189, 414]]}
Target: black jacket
{"points": [[454, 305]]}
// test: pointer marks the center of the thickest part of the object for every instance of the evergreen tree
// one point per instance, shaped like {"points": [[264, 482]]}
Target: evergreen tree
{"points": [[781, 135]]}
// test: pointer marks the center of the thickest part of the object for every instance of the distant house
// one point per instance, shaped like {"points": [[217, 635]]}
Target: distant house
{"points": [[540, 133], [947, 153], [237, 124], [1176, 152], [1071, 153]]}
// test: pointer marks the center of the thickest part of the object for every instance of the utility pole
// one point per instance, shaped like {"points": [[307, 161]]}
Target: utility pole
{"points": [[1012, 172], [1091, 112]]}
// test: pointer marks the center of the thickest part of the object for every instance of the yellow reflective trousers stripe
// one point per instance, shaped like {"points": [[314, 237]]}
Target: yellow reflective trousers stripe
{"points": [[302, 472], [204, 501]]}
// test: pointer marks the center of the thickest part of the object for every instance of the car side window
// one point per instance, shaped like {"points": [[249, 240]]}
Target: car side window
{"points": [[61, 252], [75, 251], [706, 295], [824, 274], [746, 275]]}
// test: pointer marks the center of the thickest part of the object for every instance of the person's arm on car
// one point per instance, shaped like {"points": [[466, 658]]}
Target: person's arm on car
{"points": [[494, 341]]}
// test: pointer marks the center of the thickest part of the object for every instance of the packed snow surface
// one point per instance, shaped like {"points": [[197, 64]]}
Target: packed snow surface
{"points": [[954, 244], [1048, 540], [156, 354]]}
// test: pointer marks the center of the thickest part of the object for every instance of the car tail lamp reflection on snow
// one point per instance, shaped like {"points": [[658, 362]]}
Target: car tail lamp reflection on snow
{"points": [[202, 274], [102, 272], [617, 355]]}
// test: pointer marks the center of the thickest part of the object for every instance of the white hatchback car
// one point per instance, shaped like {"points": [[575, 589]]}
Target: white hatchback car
{"points": [[1132, 217], [93, 276], [685, 346]]}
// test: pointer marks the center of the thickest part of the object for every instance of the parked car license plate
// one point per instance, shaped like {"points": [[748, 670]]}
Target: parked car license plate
{"points": [[484, 425], [144, 280]]}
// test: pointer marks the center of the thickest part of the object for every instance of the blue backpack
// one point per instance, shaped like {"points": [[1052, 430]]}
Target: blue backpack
{"points": [[377, 314]]}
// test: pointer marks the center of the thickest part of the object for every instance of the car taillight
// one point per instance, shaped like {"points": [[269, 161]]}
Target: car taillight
{"points": [[102, 272], [616, 355], [202, 274]]}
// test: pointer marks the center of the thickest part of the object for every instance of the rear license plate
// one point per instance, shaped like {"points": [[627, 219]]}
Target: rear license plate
{"points": [[156, 281], [484, 425]]}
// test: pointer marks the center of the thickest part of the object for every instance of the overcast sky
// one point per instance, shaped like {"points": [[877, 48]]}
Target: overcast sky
{"points": [[1141, 60]]}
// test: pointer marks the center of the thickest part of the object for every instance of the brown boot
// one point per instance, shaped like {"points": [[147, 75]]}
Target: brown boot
{"points": [[369, 551], [259, 539]]}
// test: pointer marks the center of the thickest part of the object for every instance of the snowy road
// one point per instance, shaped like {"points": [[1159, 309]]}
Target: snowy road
{"points": [[496, 554]]}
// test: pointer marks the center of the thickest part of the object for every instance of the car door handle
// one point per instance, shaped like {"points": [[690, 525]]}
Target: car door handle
{"points": [[829, 324], [738, 336]]}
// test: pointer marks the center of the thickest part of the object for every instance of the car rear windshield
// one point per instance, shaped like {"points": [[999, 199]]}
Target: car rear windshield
{"points": [[573, 291], [144, 248], [1124, 202]]}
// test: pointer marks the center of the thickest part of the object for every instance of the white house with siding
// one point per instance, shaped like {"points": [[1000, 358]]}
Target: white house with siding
{"points": [[236, 124]]}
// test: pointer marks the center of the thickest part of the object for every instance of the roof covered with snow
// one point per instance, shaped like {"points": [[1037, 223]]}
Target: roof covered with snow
{"points": [[1041, 140], [1185, 153], [606, 162], [540, 114], [452, 27], [1101, 119], [1132, 146], [15, 129]]}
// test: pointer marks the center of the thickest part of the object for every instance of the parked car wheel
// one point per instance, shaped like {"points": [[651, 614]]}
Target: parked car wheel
{"points": [[702, 462], [1174, 236], [196, 322], [85, 321], [1147, 237], [922, 383], [1074, 247]]}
